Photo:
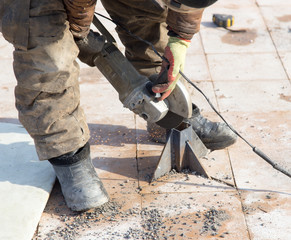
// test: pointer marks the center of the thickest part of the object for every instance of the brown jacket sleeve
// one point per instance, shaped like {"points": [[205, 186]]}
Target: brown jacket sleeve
{"points": [[185, 24], [80, 15]]}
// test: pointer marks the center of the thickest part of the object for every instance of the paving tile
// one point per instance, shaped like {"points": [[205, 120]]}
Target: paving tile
{"points": [[25, 183], [110, 222], [195, 47], [144, 141], [246, 16], [7, 99], [6, 49], [254, 96], [268, 214], [269, 131], [197, 215], [278, 20], [8, 82], [90, 75], [7, 74], [115, 165], [198, 99], [218, 166], [272, 2], [286, 59], [245, 66], [110, 132], [196, 67], [101, 98], [254, 173]]}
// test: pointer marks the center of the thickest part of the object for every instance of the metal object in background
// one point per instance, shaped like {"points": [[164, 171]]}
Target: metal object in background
{"points": [[225, 21]]}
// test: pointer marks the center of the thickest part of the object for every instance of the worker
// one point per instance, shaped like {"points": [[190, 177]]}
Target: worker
{"points": [[49, 35]]}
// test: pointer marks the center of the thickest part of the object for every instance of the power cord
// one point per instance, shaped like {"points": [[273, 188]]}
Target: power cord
{"points": [[255, 149]]}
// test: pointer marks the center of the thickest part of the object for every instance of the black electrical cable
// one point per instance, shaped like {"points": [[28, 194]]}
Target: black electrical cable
{"points": [[255, 149]]}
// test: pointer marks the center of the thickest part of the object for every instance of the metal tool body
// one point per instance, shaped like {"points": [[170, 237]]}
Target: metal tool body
{"points": [[133, 88]]}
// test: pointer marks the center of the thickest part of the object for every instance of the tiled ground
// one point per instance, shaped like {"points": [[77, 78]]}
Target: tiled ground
{"points": [[247, 76]]}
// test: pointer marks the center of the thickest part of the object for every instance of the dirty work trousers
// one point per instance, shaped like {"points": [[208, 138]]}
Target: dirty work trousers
{"points": [[47, 92], [146, 19]]}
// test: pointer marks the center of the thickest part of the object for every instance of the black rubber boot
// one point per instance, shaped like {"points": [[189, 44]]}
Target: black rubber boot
{"points": [[214, 135], [79, 181]]}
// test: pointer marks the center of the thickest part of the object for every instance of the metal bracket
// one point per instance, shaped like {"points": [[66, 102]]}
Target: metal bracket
{"points": [[182, 150]]}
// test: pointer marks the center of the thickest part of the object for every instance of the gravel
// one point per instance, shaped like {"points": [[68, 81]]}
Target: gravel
{"points": [[213, 221]]}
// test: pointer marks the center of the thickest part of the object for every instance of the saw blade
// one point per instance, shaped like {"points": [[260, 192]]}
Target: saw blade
{"points": [[171, 120]]}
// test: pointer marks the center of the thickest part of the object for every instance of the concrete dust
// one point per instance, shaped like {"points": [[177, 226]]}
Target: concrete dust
{"points": [[240, 38]]}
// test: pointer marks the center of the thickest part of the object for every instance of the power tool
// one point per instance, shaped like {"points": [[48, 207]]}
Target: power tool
{"points": [[134, 89]]}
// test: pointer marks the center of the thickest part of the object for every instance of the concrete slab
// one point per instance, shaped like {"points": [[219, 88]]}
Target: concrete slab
{"points": [[205, 215], [254, 96], [286, 59], [245, 66], [196, 67], [268, 214], [278, 20], [25, 183], [253, 173], [247, 16], [6, 49], [112, 222], [273, 2]]}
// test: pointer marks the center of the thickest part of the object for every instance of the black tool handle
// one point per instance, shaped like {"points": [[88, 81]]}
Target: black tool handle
{"points": [[162, 78], [267, 159]]}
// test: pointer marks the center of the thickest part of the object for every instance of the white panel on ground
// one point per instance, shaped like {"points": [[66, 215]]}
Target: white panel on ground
{"points": [[25, 183]]}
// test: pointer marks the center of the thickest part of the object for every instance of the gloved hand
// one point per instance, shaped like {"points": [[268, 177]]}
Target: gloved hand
{"points": [[89, 46], [175, 52]]}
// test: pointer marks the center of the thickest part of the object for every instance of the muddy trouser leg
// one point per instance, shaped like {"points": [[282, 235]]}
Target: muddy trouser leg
{"points": [[146, 20], [47, 92]]}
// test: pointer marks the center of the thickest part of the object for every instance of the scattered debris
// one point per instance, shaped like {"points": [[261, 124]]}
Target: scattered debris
{"points": [[213, 221]]}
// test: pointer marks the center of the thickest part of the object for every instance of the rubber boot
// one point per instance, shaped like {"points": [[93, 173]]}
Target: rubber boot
{"points": [[79, 181], [214, 135]]}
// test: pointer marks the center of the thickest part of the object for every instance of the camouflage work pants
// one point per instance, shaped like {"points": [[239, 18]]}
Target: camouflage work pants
{"points": [[147, 20], [47, 92]]}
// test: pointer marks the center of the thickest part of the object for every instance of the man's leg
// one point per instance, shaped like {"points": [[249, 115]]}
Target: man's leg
{"points": [[48, 100], [145, 19]]}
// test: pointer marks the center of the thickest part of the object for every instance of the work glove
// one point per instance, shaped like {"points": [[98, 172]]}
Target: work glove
{"points": [[89, 46], [175, 52]]}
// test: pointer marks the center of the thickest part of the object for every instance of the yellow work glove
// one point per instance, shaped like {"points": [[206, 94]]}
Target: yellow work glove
{"points": [[175, 52]]}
